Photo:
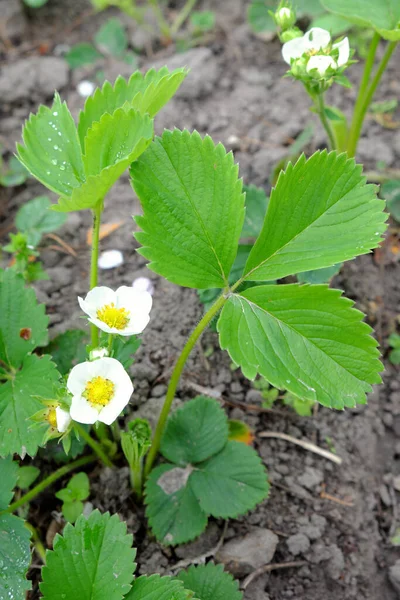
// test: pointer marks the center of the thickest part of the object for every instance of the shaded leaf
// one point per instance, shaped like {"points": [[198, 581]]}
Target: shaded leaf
{"points": [[26, 476], [15, 558], [9, 475], [34, 218], [154, 587], [210, 582], [111, 38], [256, 204], [383, 16], [82, 54]]}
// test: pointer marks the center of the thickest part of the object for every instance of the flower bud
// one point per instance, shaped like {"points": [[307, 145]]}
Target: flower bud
{"points": [[319, 64], [98, 353], [290, 34], [285, 17]]}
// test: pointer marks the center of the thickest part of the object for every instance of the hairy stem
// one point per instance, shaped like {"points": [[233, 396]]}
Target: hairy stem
{"points": [[94, 269], [182, 16], [42, 485], [175, 377], [320, 106], [366, 93], [81, 431]]}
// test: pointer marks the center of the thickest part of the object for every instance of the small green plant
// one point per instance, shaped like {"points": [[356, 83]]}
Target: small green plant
{"points": [[33, 220], [13, 174], [305, 339], [394, 343], [73, 496]]}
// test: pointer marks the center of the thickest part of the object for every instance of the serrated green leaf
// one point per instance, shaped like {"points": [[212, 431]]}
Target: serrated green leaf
{"points": [[256, 204], [26, 476], [382, 15], [19, 401], [52, 152], [34, 218], [193, 209], [306, 339], [154, 587], [93, 560], [147, 93], [195, 432], [172, 509], [320, 213], [210, 582], [15, 558], [122, 137], [9, 475], [68, 349], [111, 38], [230, 483], [125, 348], [19, 310], [82, 54]]}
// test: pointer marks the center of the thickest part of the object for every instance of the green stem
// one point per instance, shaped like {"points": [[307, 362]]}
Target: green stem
{"points": [[162, 23], [182, 16], [366, 93], [110, 343], [136, 475], [320, 105], [37, 542], [40, 487], [116, 431], [93, 444], [94, 269], [176, 374]]}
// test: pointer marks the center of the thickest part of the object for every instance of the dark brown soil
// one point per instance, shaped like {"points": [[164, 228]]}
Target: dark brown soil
{"points": [[236, 93]]}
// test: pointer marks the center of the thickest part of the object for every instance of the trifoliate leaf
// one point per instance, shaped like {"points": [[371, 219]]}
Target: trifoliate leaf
{"points": [[320, 213], [230, 483], [195, 432], [146, 93], [256, 204], [9, 475], [68, 349], [154, 587], [23, 323], [52, 152], [20, 400], [193, 209], [210, 582], [15, 558], [110, 147], [173, 511], [93, 560], [34, 218], [306, 339], [382, 15]]}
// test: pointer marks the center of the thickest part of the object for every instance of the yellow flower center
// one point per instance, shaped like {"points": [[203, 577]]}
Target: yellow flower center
{"points": [[99, 391], [52, 417], [113, 316]]}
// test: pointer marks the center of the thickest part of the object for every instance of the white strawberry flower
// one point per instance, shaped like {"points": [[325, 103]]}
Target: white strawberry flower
{"points": [[316, 41], [100, 391], [321, 63], [123, 312]]}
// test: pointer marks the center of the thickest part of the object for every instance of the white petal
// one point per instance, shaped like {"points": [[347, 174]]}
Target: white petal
{"points": [[85, 88], [103, 326], [110, 259], [97, 298], [143, 284], [321, 63], [63, 419], [344, 51], [98, 353], [294, 49], [133, 300], [82, 412], [317, 38], [78, 378], [122, 394], [137, 324]]}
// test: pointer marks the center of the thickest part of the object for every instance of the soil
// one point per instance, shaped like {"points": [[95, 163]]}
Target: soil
{"points": [[338, 520]]}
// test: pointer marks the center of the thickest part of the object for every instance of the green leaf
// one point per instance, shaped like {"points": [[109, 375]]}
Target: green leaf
{"points": [[77, 489], [111, 38], [383, 16], [304, 408], [192, 209], [19, 310], [320, 213], [172, 509], [210, 582], [394, 340], [391, 192], [82, 54], [26, 476], [195, 432], [231, 482], [35, 3], [203, 20], [72, 510], [34, 218], [394, 356], [110, 147], [68, 349], [256, 204], [15, 558], [306, 339], [154, 587], [93, 560], [319, 275], [9, 475], [16, 174], [125, 348], [332, 23], [259, 17], [19, 401], [52, 152], [147, 93]]}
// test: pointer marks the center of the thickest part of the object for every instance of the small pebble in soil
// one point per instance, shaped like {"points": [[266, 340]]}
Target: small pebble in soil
{"points": [[110, 259], [244, 554], [298, 544]]}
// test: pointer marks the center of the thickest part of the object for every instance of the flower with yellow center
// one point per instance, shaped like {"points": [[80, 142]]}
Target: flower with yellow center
{"points": [[100, 390], [124, 312], [316, 47], [58, 418]]}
